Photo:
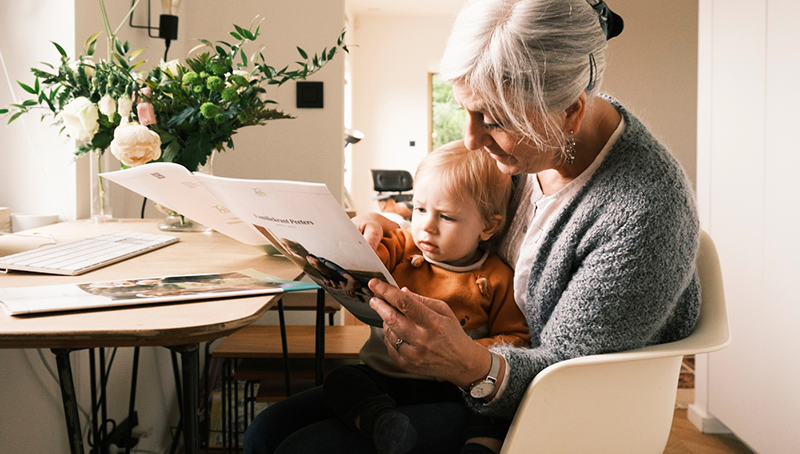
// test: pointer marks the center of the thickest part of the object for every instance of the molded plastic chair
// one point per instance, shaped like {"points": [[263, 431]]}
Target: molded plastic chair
{"points": [[619, 402]]}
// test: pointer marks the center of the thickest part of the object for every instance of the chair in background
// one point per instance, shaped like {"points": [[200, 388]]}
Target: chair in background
{"points": [[394, 184], [623, 402]]}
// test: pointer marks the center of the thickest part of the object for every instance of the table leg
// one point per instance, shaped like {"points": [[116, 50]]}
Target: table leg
{"points": [[190, 362], [69, 399], [319, 345]]}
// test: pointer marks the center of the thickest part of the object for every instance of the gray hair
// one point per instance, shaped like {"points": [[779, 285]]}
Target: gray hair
{"points": [[527, 60]]}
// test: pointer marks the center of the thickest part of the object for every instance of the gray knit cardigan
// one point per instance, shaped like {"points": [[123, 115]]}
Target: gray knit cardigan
{"points": [[616, 270]]}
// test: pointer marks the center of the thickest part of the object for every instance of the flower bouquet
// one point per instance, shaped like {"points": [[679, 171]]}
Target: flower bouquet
{"points": [[178, 112]]}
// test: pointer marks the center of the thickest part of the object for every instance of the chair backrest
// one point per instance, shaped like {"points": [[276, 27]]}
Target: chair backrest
{"points": [[622, 402]]}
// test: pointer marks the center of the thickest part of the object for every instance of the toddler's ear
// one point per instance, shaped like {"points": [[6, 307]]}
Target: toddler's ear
{"points": [[491, 226]]}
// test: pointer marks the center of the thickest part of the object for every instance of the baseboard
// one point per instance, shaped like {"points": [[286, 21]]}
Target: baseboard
{"points": [[705, 422]]}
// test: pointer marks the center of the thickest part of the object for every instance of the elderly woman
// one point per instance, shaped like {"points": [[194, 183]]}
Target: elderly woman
{"points": [[603, 236]]}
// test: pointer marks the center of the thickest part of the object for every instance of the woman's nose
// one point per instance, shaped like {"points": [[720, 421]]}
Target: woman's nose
{"points": [[475, 136]]}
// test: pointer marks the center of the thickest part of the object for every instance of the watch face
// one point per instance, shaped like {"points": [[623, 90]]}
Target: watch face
{"points": [[482, 389]]}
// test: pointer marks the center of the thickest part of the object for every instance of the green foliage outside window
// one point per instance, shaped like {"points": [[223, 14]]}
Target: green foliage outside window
{"points": [[449, 119]]}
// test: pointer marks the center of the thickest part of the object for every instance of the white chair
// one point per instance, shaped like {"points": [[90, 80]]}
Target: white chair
{"points": [[623, 402]]}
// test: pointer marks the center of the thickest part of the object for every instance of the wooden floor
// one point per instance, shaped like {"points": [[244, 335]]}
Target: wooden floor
{"points": [[685, 438]]}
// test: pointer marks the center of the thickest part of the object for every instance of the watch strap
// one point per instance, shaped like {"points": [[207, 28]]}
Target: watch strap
{"points": [[494, 369]]}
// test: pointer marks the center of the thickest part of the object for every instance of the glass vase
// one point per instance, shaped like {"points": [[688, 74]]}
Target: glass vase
{"points": [[100, 211], [176, 222]]}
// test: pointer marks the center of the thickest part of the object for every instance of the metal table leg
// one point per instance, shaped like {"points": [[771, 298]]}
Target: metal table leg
{"points": [[190, 362], [69, 399], [319, 346]]}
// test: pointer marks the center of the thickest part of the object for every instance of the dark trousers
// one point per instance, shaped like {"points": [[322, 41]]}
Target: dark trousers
{"points": [[358, 389], [305, 424]]}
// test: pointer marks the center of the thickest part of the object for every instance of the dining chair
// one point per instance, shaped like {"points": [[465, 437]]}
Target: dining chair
{"points": [[622, 402]]}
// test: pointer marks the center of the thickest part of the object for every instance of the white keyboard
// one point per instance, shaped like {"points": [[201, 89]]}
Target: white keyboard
{"points": [[84, 255]]}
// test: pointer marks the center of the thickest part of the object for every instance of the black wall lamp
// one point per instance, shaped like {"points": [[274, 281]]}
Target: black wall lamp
{"points": [[167, 24]]}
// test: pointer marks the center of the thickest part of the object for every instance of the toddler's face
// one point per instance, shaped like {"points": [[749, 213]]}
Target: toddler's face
{"points": [[445, 228]]}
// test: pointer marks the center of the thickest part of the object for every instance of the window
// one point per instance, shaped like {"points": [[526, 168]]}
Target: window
{"points": [[448, 119]]}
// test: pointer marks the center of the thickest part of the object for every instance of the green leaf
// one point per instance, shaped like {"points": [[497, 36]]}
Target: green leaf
{"points": [[136, 53], [249, 35], [302, 53], [15, 116], [91, 43], [239, 29], [244, 57], [29, 102], [236, 35], [3, 111], [60, 49], [28, 88]]}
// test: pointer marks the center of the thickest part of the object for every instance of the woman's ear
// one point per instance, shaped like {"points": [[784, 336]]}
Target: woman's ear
{"points": [[491, 226], [575, 113]]}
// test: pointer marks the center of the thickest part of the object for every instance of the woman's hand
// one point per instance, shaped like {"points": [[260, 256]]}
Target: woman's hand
{"points": [[434, 343], [373, 226]]}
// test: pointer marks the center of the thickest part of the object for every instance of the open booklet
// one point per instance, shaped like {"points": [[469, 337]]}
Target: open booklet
{"points": [[303, 221], [135, 292]]}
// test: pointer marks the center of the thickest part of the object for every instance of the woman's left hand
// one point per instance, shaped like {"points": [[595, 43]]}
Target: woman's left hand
{"points": [[434, 343]]}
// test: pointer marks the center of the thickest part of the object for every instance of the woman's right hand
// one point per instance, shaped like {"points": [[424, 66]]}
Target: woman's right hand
{"points": [[373, 226]]}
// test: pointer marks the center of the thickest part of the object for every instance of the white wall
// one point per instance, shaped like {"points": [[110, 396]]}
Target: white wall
{"points": [[652, 69], [392, 56], [37, 175], [36, 170], [747, 158]]}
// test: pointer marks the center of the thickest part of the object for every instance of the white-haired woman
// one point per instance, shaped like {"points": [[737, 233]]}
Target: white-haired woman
{"points": [[603, 236]]}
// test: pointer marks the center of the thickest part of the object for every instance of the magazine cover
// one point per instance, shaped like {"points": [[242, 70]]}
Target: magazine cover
{"points": [[303, 221], [127, 292]]}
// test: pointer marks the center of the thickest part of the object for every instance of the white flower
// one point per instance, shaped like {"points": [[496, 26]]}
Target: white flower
{"points": [[124, 106], [141, 77], [80, 118], [246, 74], [88, 66], [107, 105], [170, 67], [134, 144]]}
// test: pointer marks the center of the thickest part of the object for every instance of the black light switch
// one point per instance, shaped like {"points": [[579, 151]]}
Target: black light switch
{"points": [[309, 94]]}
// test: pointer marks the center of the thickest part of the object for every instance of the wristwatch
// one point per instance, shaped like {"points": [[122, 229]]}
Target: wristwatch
{"points": [[486, 386]]}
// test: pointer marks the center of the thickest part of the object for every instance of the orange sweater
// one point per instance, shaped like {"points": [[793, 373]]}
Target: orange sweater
{"points": [[481, 296]]}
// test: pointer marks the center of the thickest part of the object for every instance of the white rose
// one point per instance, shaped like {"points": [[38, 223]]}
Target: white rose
{"points": [[80, 118], [107, 105], [134, 144], [170, 67], [124, 106]]}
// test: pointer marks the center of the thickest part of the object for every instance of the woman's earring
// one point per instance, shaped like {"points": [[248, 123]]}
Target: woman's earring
{"points": [[571, 148]]}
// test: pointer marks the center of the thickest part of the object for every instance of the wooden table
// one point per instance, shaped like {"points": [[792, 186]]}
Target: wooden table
{"points": [[167, 325]]}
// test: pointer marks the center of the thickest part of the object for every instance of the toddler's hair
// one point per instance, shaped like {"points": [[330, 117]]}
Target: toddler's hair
{"points": [[465, 173]]}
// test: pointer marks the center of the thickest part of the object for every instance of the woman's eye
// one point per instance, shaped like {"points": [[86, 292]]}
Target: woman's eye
{"points": [[491, 124]]}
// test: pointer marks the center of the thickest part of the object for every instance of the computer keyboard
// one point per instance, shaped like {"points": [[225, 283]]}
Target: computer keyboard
{"points": [[84, 255]]}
